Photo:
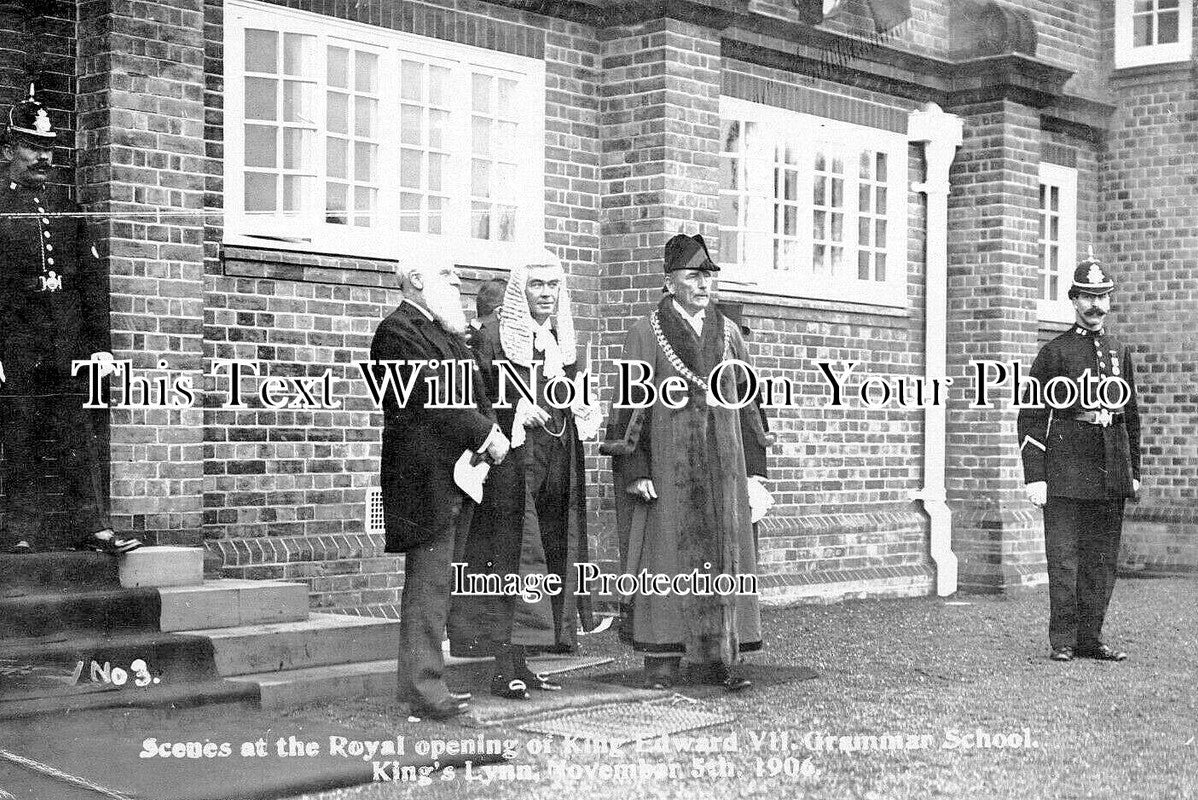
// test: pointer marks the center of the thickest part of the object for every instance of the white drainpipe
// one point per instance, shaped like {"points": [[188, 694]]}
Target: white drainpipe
{"points": [[941, 135]]}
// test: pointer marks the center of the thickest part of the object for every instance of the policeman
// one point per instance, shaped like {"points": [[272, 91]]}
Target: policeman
{"points": [[1081, 462], [53, 310]]}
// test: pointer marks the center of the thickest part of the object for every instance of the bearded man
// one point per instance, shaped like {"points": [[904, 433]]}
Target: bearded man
{"points": [[533, 518], [682, 502], [425, 513]]}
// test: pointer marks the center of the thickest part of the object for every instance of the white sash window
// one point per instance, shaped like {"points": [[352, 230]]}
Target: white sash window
{"points": [[811, 207], [351, 139]]}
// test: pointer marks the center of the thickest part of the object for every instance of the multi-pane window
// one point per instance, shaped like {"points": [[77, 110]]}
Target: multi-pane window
{"points": [[1155, 22], [493, 156], [812, 207], [350, 138], [1152, 31], [279, 126], [424, 136], [1057, 240]]}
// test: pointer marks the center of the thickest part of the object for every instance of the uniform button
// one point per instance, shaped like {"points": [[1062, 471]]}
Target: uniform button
{"points": [[37, 199], [50, 261], [46, 234], [49, 247], [41, 210], [45, 221]]}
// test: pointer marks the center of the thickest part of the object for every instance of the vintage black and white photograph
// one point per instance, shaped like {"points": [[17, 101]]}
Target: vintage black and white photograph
{"points": [[505, 399]]}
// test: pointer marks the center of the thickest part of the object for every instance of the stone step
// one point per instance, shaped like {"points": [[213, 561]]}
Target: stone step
{"points": [[189, 695], [320, 640], [289, 689], [232, 602], [162, 566], [69, 568], [109, 610]]}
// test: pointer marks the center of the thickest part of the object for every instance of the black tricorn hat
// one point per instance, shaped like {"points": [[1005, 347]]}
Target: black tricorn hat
{"points": [[688, 252], [30, 120]]}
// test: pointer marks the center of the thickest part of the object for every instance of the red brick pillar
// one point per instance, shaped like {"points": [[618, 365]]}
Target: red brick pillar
{"points": [[992, 267], [141, 150], [659, 132]]}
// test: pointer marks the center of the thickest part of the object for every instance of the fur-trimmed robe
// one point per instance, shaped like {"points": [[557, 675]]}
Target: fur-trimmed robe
{"points": [[695, 458], [506, 534]]}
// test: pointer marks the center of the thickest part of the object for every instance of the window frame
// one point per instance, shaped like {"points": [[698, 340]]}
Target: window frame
{"points": [[1059, 309], [309, 232], [779, 125], [1127, 54]]}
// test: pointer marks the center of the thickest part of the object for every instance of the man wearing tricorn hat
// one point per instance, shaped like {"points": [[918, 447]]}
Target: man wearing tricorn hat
{"points": [[1080, 465], [53, 310], [682, 501], [533, 517]]}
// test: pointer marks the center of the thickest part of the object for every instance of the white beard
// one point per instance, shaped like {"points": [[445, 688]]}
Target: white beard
{"points": [[444, 301]]}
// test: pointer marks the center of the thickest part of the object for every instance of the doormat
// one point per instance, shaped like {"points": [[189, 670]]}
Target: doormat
{"points": [[619, 724], [759, 674], [556, 665]]}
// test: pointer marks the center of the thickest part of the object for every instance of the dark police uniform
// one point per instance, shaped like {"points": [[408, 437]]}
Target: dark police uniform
{"points": [[1089, 459], [53, 310]]}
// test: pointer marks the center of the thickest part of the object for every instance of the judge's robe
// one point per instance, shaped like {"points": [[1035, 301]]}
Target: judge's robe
{"points": [[700, 521], [511, 535]]}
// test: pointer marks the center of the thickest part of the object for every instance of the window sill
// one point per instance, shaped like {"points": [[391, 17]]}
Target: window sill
{"points": [[738, 292]]}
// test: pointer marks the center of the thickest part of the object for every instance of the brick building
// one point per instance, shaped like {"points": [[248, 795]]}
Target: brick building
{"points": [[900, 185]]}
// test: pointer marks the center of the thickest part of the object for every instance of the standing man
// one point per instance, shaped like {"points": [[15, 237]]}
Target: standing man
{"points": [[486, 306], [53, 310], [1081, 465], [533, 520], [682, 503], [425, 513]]}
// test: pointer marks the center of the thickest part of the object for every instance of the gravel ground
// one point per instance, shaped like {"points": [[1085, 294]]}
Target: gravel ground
{"points": [[931, 672]]}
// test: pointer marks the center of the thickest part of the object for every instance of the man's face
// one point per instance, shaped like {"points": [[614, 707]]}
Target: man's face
{"points": [[541, 289], [440, 289], [692, 288], [1091, 309], [29, 164]]}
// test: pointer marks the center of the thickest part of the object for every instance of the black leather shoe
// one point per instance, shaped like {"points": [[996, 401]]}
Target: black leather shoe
{"points": [[535, 680], [442, 711], [661, 673], [514, 689], [1062, 654], [727, 677], [1102, 652], [114, 544]]}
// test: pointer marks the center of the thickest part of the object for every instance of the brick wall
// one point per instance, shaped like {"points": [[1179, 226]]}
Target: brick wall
{"points": [[992, 289], [631, 156], [298, 478], [1147, 233], [141, 150]]}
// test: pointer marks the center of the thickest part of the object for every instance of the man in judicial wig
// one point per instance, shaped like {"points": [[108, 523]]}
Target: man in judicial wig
{"points": [[682, 502], [425, 513], [1080, 465], [533, 517]]}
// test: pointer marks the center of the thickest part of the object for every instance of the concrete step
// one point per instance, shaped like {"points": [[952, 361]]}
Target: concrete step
{"points": [[320, 640], [73, 569], [289, 689], [232, 602], [162, 565]]}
